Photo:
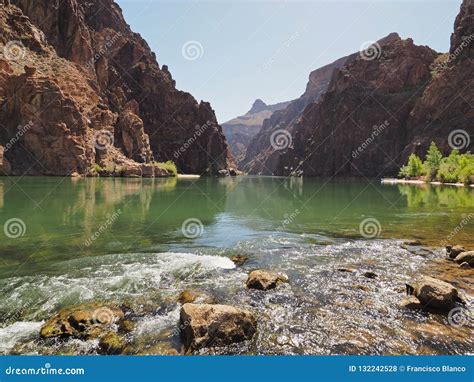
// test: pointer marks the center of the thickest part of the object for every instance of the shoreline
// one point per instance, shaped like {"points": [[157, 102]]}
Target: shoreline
{"points": [[419, 182]]}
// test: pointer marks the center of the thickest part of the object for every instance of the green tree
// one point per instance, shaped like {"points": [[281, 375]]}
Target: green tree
{"points": [[432, 161], [413, 169], [465, 172], [449, 168]]}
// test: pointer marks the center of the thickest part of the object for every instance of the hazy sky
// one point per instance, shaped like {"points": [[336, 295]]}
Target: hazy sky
{"points": [[232, 52]]}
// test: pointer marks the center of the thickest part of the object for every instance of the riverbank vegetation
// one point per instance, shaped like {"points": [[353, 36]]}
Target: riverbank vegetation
{"points": [[455, 168], [168, 166]]}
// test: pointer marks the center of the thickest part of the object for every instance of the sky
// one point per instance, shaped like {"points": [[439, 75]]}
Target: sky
{"points": [[232, 52]]}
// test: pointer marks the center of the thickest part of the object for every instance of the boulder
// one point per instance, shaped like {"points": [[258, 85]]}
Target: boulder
{"points": [[86, 321], [265, 280], [239, 260], [465, 257], [411, 302], [464, 265], [111, 343], [206, 325], [453, 252], [126, 326], [194, 296], [435, 294]]}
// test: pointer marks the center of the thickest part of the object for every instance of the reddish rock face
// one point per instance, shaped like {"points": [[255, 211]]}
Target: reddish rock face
{"points": [[359, 127], [376, 110], [447, 102], [261, 157], [88, 75]]}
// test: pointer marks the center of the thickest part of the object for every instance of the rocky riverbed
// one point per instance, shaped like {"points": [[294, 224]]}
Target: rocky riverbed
{"points": [[349, 297]]}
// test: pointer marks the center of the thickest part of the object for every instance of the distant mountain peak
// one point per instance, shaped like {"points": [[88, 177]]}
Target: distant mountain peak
{"points": [[258, 106]]}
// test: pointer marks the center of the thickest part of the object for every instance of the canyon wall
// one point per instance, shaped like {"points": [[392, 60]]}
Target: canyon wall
{"points": [[87, 93]]}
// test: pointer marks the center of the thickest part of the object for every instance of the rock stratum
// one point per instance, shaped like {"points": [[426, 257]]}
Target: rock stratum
{"points": [[81, 93], [362, 115]]}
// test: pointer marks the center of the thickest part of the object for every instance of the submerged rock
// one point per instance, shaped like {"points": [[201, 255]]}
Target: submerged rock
{"points": [[239, 260], [206, 325], [347, 270], [434, 293], [411, 243], [453, 252], [126, 326], [111, 343], [370, 275], [86, 321], [265, 280], [465, 257], [194, 296]]}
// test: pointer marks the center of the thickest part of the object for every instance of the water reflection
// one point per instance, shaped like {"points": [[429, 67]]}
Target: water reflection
{"points": [[62, 214]]}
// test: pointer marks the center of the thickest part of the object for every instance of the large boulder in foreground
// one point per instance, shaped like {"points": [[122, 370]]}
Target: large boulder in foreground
{"points": [[435, 294], [265, 280], [206, 325], [87, 321], [465, 257]]}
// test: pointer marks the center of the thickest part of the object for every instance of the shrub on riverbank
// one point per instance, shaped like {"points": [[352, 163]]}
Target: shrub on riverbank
{"points": [[168, 166], [455, 168]]}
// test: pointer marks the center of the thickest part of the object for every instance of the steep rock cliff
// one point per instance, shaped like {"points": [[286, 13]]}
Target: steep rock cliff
{"points": [[445, 112], [261, 157], [102, 97]]}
